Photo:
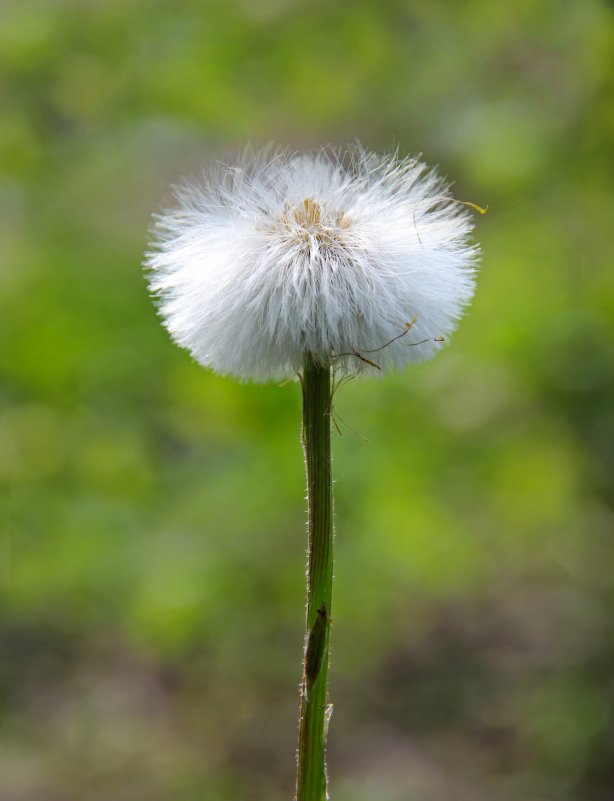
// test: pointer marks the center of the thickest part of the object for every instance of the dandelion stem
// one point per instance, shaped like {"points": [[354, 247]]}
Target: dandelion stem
{"points": [[314, 712]]}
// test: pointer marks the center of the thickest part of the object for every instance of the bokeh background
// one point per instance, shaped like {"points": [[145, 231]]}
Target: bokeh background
{"points": [[152, 514]]}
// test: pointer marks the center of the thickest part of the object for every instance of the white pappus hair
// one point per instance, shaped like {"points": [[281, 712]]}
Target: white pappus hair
{"points": [[362, 261]]}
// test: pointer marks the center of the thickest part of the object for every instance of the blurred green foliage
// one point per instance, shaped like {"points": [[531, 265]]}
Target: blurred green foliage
{"points": [[152, 534]]}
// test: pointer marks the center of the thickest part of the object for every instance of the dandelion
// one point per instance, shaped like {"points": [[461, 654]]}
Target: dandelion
{"points": [[329, 253], [283, 264]]}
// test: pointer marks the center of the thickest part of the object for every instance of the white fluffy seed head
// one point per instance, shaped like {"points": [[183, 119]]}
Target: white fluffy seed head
{"points": [[359, 260]]}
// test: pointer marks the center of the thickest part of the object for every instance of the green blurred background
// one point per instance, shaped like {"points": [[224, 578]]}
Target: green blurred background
{"points": [[152, 514]]}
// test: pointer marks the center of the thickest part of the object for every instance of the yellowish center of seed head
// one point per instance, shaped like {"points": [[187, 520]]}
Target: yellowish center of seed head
{"points": [[308, 214], [309, 221]]}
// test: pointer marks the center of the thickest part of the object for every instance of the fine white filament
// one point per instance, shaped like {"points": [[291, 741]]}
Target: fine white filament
{"points": [[362, 261]]}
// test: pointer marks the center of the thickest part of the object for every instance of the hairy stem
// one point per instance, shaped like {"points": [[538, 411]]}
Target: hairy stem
{"points": [[314, 713]]}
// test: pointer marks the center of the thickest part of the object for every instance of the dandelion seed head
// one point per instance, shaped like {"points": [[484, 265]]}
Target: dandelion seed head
{"points": [[329, 253]]}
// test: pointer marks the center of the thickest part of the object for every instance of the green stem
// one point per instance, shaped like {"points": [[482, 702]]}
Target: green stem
{"points": [[314, 713]]}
